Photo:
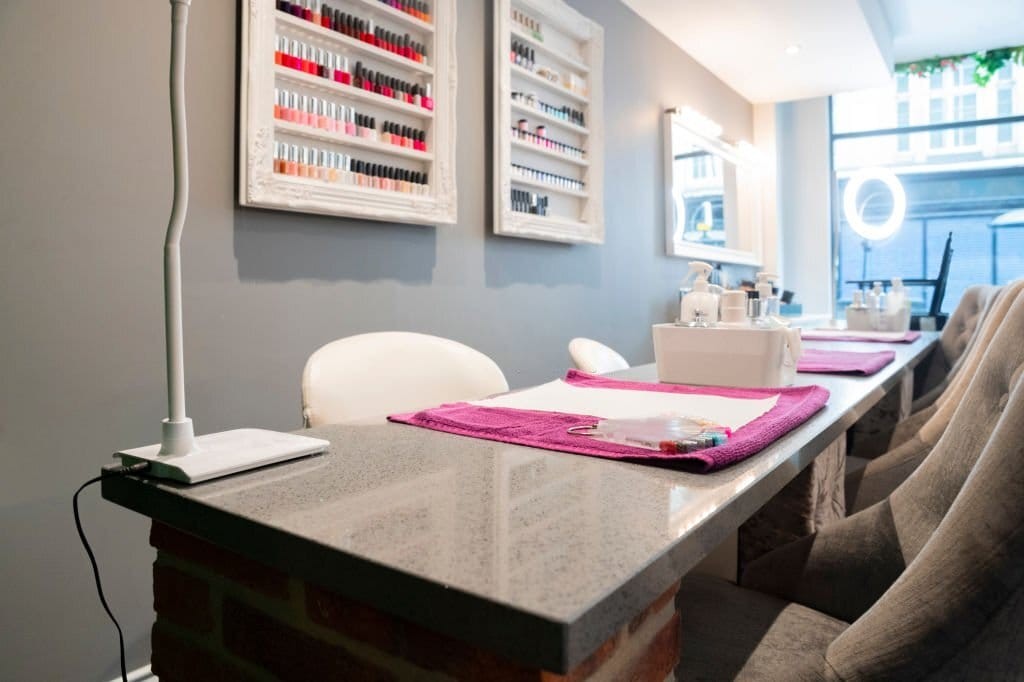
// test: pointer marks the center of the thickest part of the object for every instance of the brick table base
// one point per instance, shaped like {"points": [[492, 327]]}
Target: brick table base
{"points": [[221, 616]]}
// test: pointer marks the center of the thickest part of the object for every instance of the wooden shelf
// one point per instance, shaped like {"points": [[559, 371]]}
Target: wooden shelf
{"points": [[555, 189], [392, 14], [567, 60], [551, 86], [350, 91], [548, 118], [350, 141], [352, 46], [520, 144]]}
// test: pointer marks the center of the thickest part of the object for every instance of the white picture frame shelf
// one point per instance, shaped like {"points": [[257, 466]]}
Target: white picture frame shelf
{"points": [[265, 131], [565, 166]]}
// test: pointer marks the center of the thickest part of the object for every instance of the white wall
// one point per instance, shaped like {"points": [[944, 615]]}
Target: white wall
{"points": [[804, 204]]}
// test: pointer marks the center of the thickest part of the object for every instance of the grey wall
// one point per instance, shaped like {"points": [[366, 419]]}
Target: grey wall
{"points": [[804, 201], [84, 200]]}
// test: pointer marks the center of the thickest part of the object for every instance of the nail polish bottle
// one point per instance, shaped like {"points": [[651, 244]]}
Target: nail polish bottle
{"points": [[278, 165], [326, 15], [292, 113], [342, 74], [350, 122], [277, 104], [278, 54], [314, 13], [296, 9], [423, 141], [428, 101], [288, 156], [385, 132], [331, 166], [323, 121], [302, 166]]}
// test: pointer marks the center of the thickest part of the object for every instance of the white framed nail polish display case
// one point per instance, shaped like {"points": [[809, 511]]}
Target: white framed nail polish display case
{"points": [[347, 108], [548, 129]]}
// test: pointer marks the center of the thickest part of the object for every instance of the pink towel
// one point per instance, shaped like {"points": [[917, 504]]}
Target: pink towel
{"points": [[843, 362], [809, 335], [548, 429]]}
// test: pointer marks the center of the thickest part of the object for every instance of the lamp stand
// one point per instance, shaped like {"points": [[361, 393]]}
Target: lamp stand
{"points": [[180, 455]]}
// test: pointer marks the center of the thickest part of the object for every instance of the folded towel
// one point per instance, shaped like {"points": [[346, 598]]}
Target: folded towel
{"points": [[548, 430], [847, 335], [814, 360]]}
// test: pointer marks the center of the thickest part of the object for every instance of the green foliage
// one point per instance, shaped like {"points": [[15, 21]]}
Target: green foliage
{"points": [[986, 64]]}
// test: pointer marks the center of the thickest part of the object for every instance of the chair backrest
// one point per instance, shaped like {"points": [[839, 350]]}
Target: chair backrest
{"points": [[372, 375], [940, 281], [595, 357], [961, 378], [966, 321], [957, 609]]}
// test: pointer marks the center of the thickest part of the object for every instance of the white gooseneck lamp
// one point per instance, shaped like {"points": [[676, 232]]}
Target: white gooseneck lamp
{"points": [[180, 455]]}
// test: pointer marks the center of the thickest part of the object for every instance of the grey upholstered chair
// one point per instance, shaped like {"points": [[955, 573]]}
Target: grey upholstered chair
{"points": [[915, 437], [905, 430], [928, 583], [955, 341]]}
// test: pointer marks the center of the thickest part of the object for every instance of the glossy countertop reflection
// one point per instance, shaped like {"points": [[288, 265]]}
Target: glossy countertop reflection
{"points": [[538, 555]]}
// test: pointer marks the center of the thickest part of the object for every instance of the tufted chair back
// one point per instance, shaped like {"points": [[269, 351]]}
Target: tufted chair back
{"points": [[957, 611], [957, 338], [930, 544]]}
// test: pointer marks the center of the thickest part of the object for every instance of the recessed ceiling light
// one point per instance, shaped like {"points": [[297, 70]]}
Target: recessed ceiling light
{"points": [[793, 50]]}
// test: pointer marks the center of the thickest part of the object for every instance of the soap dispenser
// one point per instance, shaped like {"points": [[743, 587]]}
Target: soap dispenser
{"points": [[766, 305], [699, 308]]}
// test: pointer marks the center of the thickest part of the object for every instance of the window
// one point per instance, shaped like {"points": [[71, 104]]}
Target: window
{"points": [[936, 115], [961, 165], [902, 121], [1004, 103]]}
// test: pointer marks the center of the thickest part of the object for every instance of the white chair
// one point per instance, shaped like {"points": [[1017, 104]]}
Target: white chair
{"points": [[594, 357], [373, 375]]}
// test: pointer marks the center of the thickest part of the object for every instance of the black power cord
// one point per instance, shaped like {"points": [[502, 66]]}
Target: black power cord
{"points": [[109, 473]]}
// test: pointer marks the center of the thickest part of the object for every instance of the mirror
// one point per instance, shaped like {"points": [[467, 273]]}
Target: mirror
{"points": [[712, 192]]}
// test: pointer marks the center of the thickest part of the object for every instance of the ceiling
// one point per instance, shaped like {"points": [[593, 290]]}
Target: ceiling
{"points": [[843, 44]]}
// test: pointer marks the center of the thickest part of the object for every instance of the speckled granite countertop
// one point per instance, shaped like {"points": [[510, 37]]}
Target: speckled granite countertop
{"points": [[537, 555]]}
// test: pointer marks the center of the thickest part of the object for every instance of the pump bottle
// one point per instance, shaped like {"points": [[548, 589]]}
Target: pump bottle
{"points": [[699, 308]]}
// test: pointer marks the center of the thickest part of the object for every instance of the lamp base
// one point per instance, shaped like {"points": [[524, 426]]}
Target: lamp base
{"points": [[227, 452]]}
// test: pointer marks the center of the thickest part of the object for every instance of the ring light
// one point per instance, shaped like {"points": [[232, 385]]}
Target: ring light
{"points": [[875, 231]]}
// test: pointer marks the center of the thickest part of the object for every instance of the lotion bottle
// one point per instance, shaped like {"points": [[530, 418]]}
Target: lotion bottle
{"points": [[699, 308], [898, 306], [857, 314]]}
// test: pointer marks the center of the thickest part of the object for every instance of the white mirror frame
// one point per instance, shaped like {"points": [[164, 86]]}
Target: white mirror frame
{"points": [[749, 208]]}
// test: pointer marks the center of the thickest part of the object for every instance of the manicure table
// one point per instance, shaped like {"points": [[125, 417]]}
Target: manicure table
{"points": [[404, 552]]}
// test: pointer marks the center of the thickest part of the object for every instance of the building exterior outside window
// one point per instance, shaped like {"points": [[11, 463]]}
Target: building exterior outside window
{"points": [[958, 151]]}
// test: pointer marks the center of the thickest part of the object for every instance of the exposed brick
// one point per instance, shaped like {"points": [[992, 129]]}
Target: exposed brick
{"points": [[246, 572], [590, 665], [177, 660], [654, 607], [660, 657], [182, 599], [353, 619], [287, 653], [463, 661]]}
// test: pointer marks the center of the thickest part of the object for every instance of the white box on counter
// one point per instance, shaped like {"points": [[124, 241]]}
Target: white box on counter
{"points": [[751, 357]]}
